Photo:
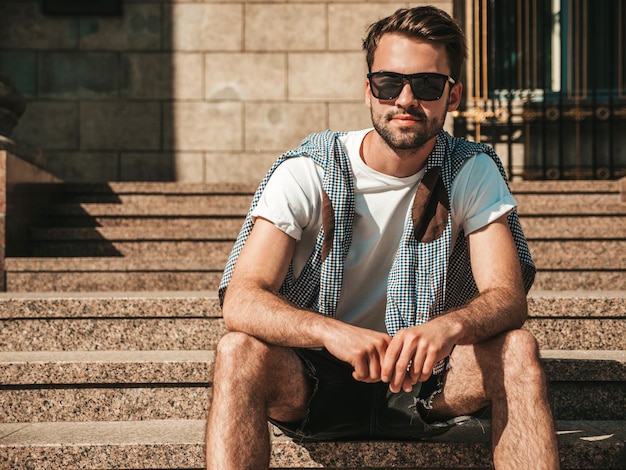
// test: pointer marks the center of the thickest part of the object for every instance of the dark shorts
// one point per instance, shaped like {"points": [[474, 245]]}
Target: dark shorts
{"points": [[341, 407]]}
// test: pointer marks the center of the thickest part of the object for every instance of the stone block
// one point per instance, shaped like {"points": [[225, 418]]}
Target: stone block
{"points": [[150, 166], [249, 167], [245, 76], [139, 28], [162, 76], [347, 23], [21, 67], [203, 27], [120, 125], [84, 166], [197, 126], [189, 167], [49, 125], [285, 27], [326, 76], [23, 26], [75, 75], [349, 116], [280, 126]]}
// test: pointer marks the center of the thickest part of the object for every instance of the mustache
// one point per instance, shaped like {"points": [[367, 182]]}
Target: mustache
{"points": [[416, 113]]}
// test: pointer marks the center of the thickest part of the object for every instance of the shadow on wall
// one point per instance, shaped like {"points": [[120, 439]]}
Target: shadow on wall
{"points": [[97, 84], [30, 198]]}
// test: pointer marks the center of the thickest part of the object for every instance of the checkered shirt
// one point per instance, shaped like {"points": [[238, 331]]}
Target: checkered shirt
{"points": [[426, 279]]}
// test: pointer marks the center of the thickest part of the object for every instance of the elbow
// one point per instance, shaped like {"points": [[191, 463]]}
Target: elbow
{"points": [[229, 311], [520, 309]]}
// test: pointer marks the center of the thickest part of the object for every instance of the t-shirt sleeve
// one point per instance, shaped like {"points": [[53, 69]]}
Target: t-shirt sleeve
{"points": [[479, 194], [290, 198]]}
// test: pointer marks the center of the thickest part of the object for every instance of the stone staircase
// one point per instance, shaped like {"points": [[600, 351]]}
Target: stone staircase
{"points": [[110, 318]]}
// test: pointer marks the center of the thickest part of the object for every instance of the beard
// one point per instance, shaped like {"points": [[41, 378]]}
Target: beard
{"points": [[405, 138]]}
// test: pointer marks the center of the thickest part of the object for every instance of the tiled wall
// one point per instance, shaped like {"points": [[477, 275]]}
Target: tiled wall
{"points": [[185, 90]]}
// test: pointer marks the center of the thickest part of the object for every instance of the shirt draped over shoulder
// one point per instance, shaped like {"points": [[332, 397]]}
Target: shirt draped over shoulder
{"points": [[292, 201]]}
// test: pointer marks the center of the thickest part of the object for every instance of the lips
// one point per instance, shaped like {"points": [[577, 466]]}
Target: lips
{"points": [[408, 117]]}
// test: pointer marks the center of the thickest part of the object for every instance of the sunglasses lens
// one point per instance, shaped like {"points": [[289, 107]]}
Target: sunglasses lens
{"points": [[425, 86], [386, 86], [428, 87]]}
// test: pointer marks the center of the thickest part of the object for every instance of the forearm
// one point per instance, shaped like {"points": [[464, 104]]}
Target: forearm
{"points": [[264, 314], [491, 312]]}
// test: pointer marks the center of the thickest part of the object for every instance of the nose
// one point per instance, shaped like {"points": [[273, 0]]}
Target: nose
{"points": [[406, 98]]}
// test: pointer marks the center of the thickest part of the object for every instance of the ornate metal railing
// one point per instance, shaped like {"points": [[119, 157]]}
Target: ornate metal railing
{"points": [[546, 85]]}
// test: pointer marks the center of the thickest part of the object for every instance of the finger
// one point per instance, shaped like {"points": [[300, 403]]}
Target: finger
{"points": [[389, 361], [375, 366], [409, 381], [402, 370], [427, 367], [361, 369], [417, 367]]}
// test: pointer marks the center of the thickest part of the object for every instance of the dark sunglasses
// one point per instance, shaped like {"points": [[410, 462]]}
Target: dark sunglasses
{"points": [[425, 86]]}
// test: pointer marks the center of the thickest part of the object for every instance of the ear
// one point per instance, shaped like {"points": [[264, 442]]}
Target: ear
{"points": [[455, 96]]}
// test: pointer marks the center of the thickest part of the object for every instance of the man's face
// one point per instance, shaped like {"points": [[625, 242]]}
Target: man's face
{"points": [[406, 122]]}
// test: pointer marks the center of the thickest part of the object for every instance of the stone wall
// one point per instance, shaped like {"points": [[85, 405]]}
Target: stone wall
{"points": [[185, 90]]}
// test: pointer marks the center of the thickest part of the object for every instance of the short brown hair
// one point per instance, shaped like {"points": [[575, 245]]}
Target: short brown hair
{"points": [[426, 23]]}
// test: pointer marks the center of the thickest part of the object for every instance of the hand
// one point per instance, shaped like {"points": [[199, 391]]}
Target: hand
{"points": [[362, 348], [413, 353]]}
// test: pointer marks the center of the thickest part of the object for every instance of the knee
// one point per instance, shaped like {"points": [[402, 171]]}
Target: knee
{"points": [[520, 356], [514, 354], [235, 343], [237, 352]]}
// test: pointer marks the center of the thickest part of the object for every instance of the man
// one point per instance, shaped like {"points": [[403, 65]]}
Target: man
{"points": [[379, 282]]}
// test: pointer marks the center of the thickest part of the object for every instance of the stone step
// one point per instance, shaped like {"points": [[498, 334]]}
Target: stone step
{"points": [[226, 228], [151, 222], [79, 191], [143, 333], [192, 320], [131, 206], [237, 205], [114, 274], [140, 199], [612, 187], [151, 279], [547, 254], [133, 248], [117, 273], [176, 384], [574, 227], [580, 279], [105, 385], [205, 230], [179, 444]]}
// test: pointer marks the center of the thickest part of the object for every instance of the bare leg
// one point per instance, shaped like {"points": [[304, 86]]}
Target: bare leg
{"points": [[506, 372], [252, 380]]}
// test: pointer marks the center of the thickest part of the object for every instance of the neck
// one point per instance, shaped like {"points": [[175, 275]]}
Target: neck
{"points": [[394, 162]]}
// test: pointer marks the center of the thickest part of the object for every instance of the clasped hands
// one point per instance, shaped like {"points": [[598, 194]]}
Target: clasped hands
{"points": [[401, 361]]}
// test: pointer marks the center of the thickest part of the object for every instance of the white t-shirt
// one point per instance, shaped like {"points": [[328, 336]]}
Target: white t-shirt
{"points": [[291, 201]]}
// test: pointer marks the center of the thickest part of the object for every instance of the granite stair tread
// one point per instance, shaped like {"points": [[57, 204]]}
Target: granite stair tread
{"points": [[227, 205], [542, 303], [120, 384], [196, 366], [192, 320], [178, 444], [567, 253], [106, 367], [219, 229], [82, 264]]}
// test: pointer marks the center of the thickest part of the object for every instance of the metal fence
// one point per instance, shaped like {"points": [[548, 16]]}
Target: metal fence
{"points": [[546, 85]]}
